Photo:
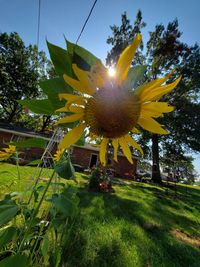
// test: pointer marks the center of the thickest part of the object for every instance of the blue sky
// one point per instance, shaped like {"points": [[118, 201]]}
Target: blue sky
{"points": [[66, 17]]}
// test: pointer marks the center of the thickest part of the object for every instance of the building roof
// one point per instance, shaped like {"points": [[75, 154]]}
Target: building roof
{"points": [[14, 129]]}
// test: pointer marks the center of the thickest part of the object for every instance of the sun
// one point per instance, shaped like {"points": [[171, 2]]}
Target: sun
{"points": [[111, 111], [111, 72]]}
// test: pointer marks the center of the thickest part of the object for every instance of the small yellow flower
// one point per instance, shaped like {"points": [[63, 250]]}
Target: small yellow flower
{"points": [[58, 155], [6, 153], [111, 111]]}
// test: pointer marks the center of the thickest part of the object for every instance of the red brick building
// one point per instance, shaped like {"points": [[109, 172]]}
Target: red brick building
{"points": [[88, 156], [85, 156]]}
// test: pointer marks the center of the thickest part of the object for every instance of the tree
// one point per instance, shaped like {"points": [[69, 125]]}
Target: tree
{"points": [[21, 69], [122, 37], [165, 51]]}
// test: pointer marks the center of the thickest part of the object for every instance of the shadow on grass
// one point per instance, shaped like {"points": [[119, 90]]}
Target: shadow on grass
{"points": [[112, 227]]}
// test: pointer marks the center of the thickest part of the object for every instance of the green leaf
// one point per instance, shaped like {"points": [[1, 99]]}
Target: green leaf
{"points": [[39, 106], [135, 75], [35, 162], [31, 142], [17, 260], [58, 184], [87, 56], [45, 249], [7, 235], [61, 60], [64, 168], [7, 213], [67, 201], [52, 88]]}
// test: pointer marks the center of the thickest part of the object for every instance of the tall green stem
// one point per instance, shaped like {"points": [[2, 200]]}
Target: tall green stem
{"points": [[17, 164], [34, 214]]}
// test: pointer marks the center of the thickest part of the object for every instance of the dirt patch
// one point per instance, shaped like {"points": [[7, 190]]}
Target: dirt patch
{"points": [[180, 235]]}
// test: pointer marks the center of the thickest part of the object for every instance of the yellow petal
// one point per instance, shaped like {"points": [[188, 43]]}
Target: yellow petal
{"points": [[70, 97], [72, 137], [124, 145], [3, 154], [70, 118], [158, 92], [77, 85], [12, 148], [151, 125], [63, 109], [147, 87], [155, 109], [135, 130], [115, 143], [103, 148], [132, 143], [98, 74], [5, 158], [83, 78], [76, 109], [125, 59], [70, 108]]}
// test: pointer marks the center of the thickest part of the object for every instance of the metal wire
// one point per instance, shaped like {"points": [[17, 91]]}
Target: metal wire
{"points": [[38, 24], [86, 21]]}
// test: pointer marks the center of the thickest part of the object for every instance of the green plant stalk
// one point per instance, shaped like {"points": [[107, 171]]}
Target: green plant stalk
{"points": [[34, 247], [36, 210], [17, 164], [43, 195], [37, 180]]}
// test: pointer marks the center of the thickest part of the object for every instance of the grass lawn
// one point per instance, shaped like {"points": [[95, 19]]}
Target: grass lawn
{"points": [[137, 226]]}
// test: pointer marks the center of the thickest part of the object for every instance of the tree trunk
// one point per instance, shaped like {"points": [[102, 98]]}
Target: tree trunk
{"points": [[46, 121], [156, 177], [11, 116]]}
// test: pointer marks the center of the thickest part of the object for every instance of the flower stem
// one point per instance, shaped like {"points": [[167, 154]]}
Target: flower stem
{"points": [[34, 214]]}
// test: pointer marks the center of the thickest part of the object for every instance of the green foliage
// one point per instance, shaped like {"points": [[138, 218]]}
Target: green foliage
{"points": [[52, 88], [134, 77], [8, 209], [61, 60], [35, 162], [17, 260], [95, 179], [20, 69], [122, 36], [65, 203], [39, 106], [82, 57], [29, 233], [64, 167], [7, 235], [31, 142]]}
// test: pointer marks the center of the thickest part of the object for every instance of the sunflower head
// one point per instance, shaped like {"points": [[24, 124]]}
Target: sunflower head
{"points": [[8, 152], [58, 155], [111, 111]]}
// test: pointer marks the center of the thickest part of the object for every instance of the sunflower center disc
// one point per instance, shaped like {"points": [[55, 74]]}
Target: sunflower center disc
{"points": [[112, 112]]}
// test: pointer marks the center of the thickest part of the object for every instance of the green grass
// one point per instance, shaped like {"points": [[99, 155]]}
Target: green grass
{"points": [[10, 180], [132, 227]]}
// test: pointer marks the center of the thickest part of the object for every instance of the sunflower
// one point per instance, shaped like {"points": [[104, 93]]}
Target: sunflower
{"points": [[110, 110], [58, 155], [6, 153]]}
